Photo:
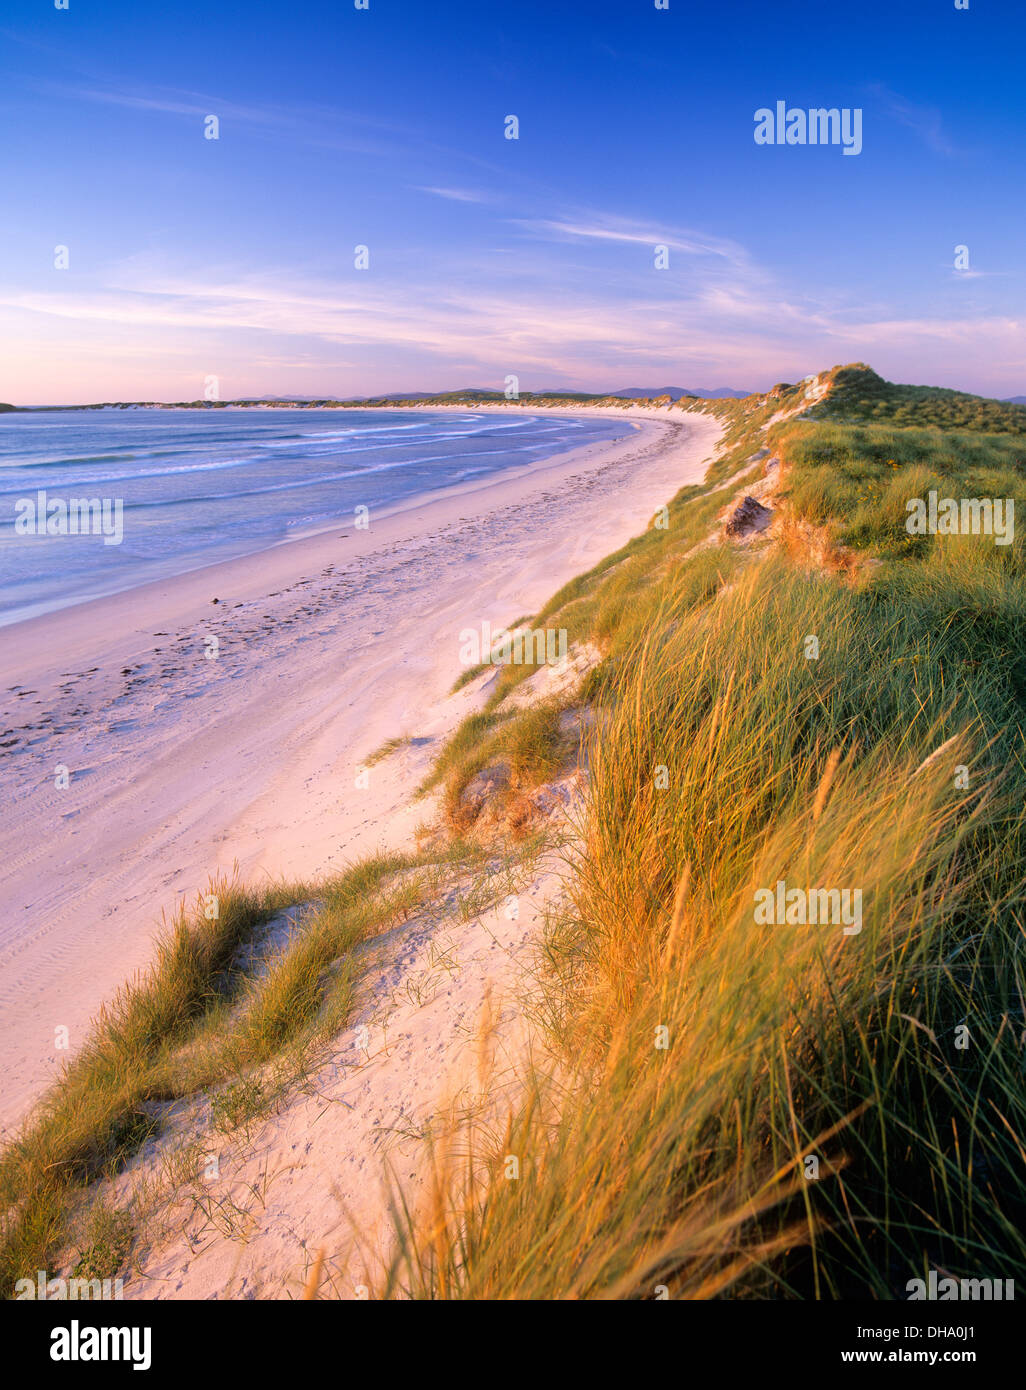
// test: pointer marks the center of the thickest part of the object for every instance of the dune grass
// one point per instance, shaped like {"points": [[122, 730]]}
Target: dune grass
{"points": [[684, 1166], [860, 478], [754, 1110], [859, 393]]}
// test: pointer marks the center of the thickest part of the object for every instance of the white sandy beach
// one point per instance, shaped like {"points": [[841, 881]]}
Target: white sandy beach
{"points": [[180, 765]]}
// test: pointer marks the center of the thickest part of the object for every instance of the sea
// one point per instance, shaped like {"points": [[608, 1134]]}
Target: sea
{"points": [[180, 489]]}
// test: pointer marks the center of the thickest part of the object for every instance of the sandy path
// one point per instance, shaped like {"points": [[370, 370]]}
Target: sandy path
{"points": [[181, 764]]}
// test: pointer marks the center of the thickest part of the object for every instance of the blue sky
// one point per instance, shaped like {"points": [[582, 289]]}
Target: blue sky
{"points": [[190, 258]]}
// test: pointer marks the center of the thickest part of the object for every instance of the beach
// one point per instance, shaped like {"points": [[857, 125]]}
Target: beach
{"points": [[194, 736]]}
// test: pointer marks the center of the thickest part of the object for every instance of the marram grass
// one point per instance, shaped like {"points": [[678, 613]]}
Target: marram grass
{"points": [[738, 1109]]}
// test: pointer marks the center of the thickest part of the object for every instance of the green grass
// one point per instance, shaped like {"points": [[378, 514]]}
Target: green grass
{"points": [[470, 674]]}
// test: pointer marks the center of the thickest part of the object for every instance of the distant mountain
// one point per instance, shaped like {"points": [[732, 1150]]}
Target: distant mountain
{"points": [[1015, 400], [676, 392]]}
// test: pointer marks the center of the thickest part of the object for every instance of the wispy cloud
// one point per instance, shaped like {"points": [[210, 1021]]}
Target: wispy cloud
{"points": [[991, 331], [184, 104], [620, 230], [926, 121], [311, 124], [458, 195], [171, 103]]}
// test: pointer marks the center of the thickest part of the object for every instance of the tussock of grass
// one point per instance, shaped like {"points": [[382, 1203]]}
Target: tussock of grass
{"points": [[107, 1243], [470, 674], [529, 745], [195, 1019], [386, 749], [533, 744], [462, 748], [293, 994]]}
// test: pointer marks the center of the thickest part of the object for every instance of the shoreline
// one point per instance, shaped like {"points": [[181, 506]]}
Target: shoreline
{"points": [[410, 503], [245, 568], [181, 766]]}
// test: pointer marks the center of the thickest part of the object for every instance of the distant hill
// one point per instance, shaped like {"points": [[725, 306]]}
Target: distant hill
{"points": [[481, 391], [270, 400], [1015, 400], [626, 393], [707, 393], [489, 393]]}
